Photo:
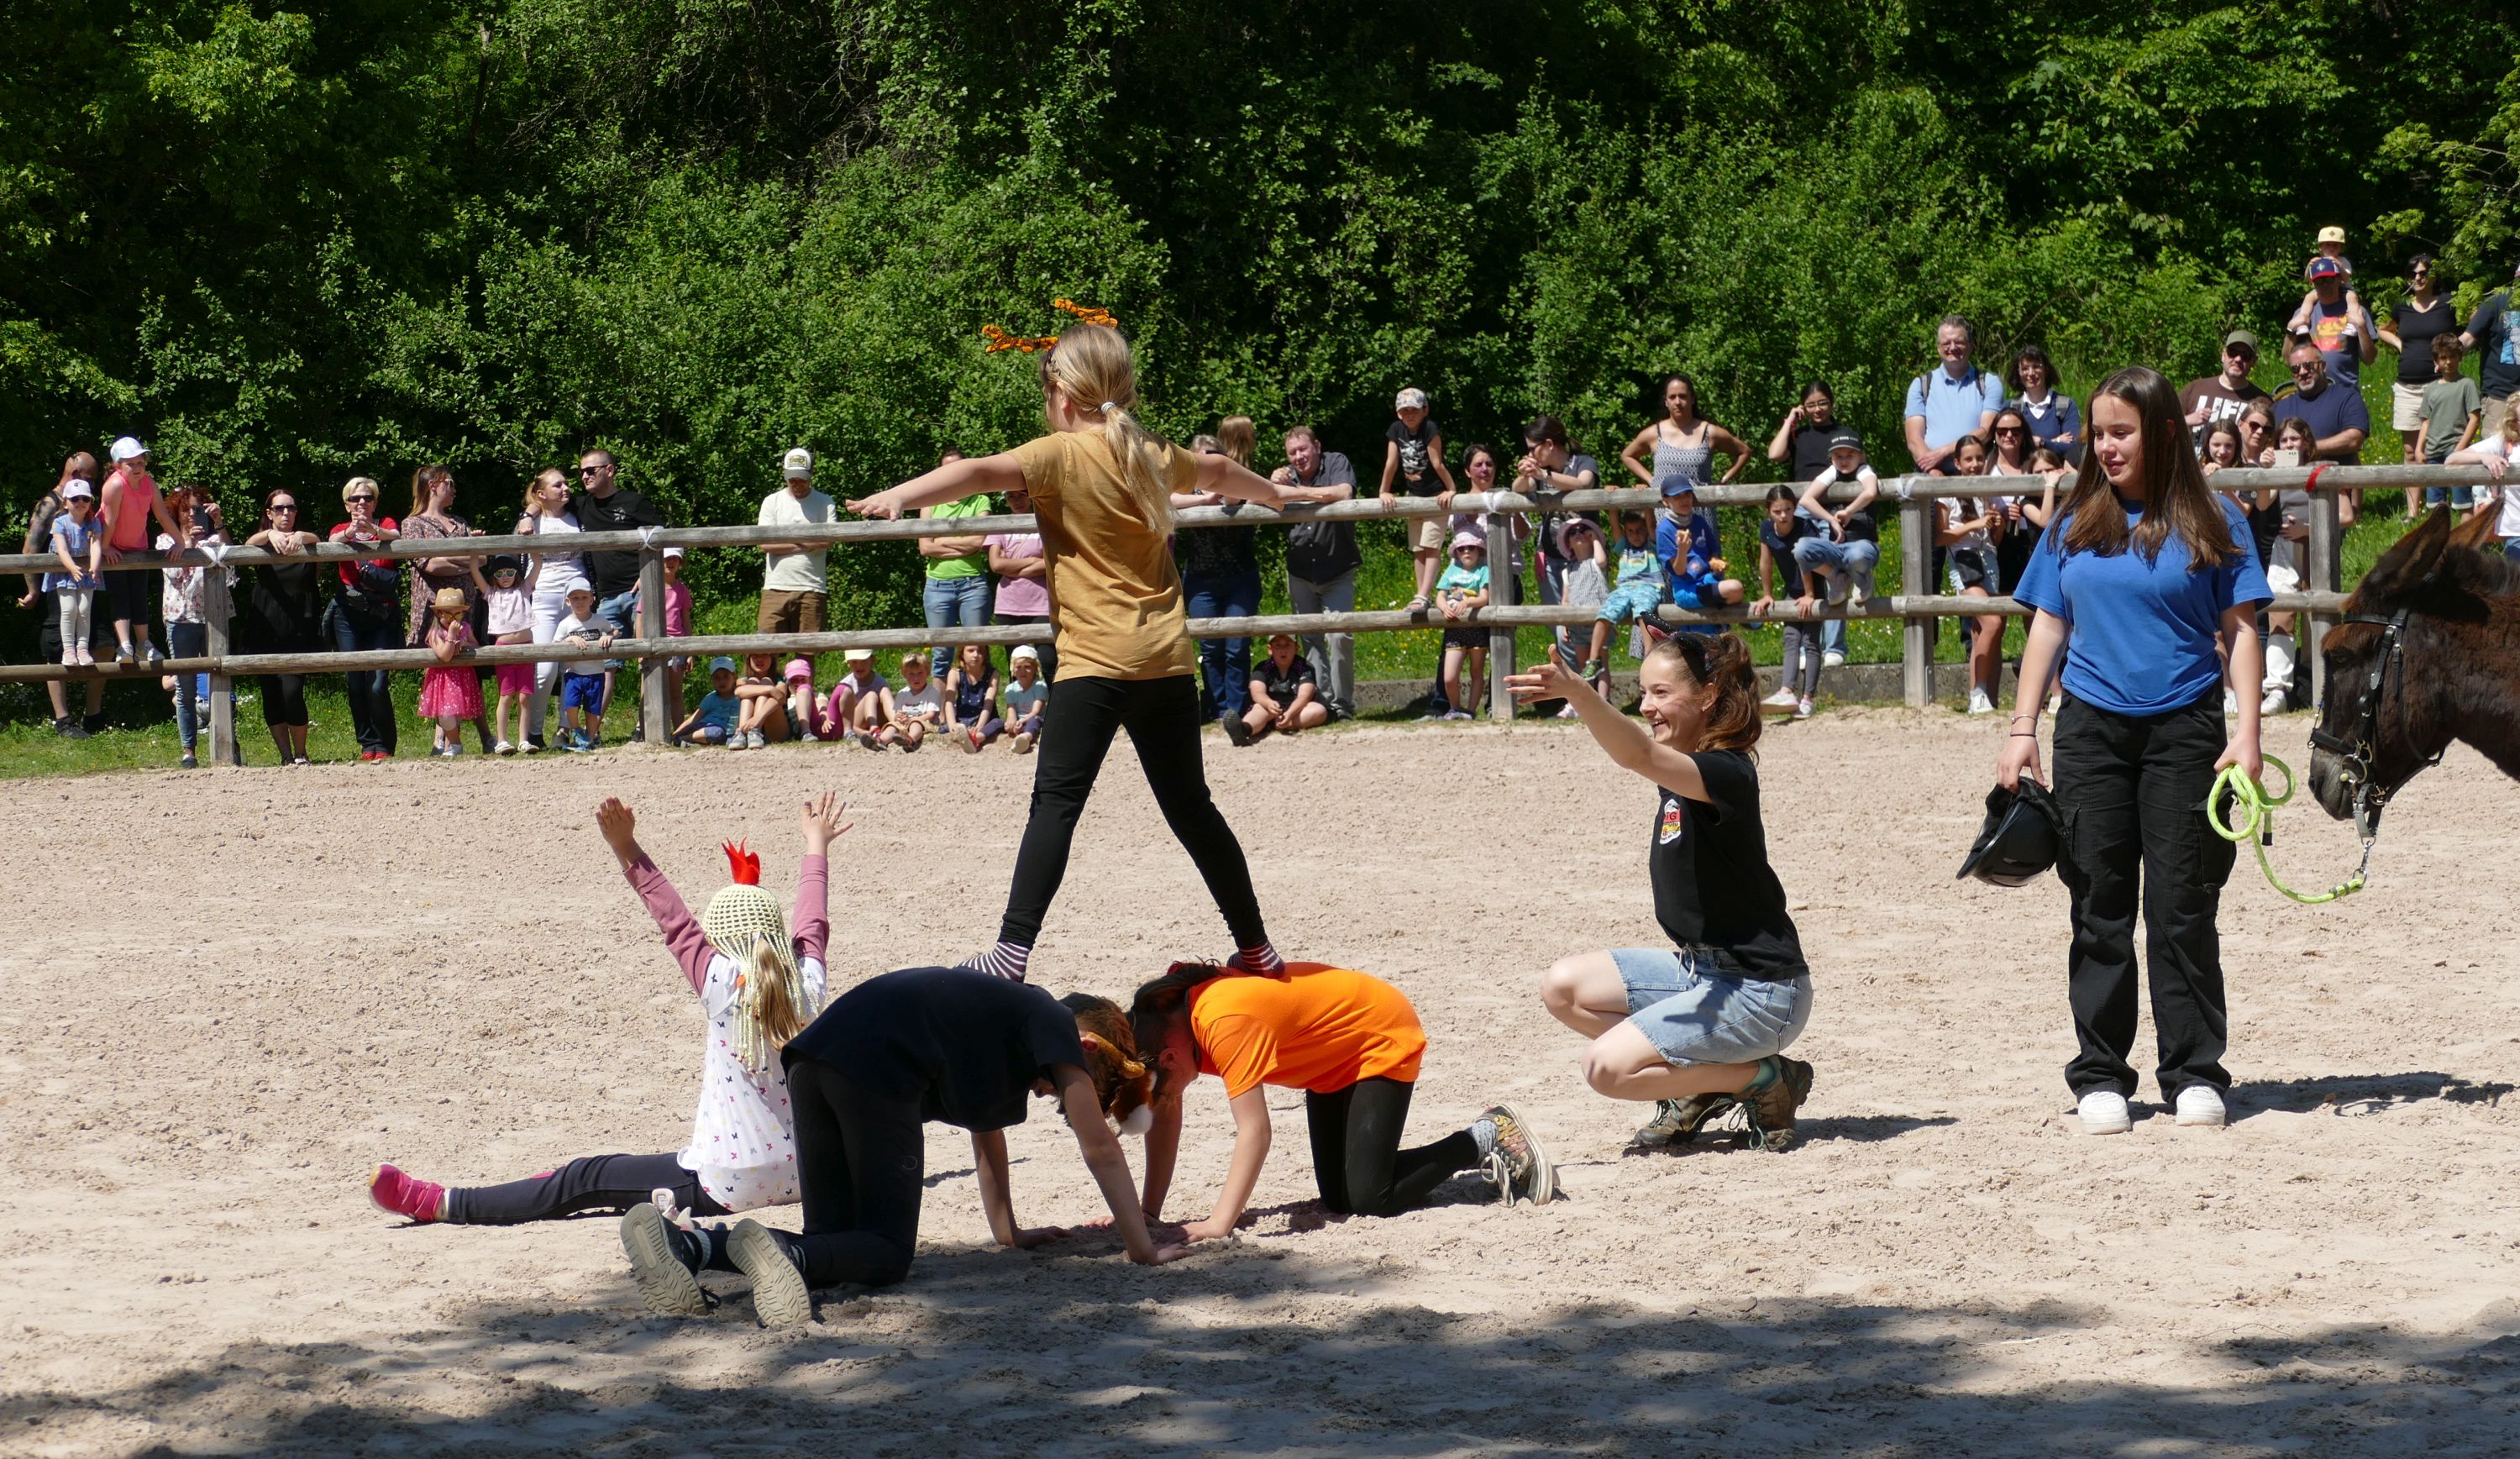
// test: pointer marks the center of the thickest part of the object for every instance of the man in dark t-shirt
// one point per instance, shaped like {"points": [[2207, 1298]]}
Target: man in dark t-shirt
{"points": [[2335, 413], [2493, 332], [2224, 396], [602, 506]]}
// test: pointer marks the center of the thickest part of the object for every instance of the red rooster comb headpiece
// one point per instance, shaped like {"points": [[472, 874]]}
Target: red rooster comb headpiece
{"points": [[745, 865]]}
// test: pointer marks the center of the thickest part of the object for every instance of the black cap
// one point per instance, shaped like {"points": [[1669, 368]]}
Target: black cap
{"points": [[2018, 841], [1845, 440]]}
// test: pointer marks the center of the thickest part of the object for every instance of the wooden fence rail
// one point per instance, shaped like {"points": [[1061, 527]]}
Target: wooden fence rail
{"points": [[1911, 497]]}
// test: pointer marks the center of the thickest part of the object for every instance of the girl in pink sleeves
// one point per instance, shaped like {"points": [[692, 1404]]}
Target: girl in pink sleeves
{"points": [[758, 985]]}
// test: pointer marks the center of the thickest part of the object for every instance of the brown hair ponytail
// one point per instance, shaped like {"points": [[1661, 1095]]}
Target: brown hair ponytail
{"points": [[1733, 720]]}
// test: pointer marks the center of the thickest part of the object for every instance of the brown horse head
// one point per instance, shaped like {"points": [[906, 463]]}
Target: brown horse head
{"points": [[2457, 670]]}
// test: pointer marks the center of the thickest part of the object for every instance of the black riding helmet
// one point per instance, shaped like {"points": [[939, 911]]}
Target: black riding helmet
{"points": [[2019, 839]]}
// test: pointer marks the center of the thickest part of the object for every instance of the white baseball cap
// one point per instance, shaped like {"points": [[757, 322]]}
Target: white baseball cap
{"points": [[1024, 650], [673, 551], [857, 655], [75, 487], [577, 586], [126, 447], [800, 462]]}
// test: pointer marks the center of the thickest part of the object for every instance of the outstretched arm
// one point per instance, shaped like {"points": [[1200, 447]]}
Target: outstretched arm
{"points": [[683, 936], [1623, 739]]}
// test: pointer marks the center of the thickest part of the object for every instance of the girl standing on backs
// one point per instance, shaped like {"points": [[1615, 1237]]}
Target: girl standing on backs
{"points": [[1700, 1026], [2143, 572], [1353, 1045], [892, 1053], [1101, 488], [759, 983]]}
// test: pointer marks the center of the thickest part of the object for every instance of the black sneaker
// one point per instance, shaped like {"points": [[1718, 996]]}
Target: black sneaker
{"points": [[1771, 1109], [780, 1298], [90, 724], [1517, 1167], [1677, 1122], [1234, 730], [64, 724], [189, 762], [665, 1261]]}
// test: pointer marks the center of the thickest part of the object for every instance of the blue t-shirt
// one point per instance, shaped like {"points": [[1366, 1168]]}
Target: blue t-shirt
{"points": [[1674, 555], [2336, 408], [75, 535], [1953, 407], [1637, 564], [719, 709], [2141, 636]]}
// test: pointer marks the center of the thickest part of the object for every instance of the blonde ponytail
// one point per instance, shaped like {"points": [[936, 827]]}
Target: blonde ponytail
{"points": [[1092, 367]]}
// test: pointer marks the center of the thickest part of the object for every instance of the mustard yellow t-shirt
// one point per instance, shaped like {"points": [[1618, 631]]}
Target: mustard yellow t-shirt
{"points": [[1115, 598]]}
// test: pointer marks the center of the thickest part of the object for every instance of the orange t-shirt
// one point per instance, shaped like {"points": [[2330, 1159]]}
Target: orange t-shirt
{"points": [[1116, 598], [1322, 1029]]}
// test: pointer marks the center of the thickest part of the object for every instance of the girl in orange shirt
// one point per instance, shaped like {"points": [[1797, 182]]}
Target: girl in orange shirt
{"points": [[1352, 1044], [1103, 488]]}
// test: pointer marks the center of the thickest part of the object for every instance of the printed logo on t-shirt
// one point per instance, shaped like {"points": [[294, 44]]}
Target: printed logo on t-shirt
{"points": [[1672, 821]]}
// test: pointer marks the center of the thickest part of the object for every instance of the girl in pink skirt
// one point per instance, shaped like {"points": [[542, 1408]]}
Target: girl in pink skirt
{"points": [[450, 695], [507, 595]]}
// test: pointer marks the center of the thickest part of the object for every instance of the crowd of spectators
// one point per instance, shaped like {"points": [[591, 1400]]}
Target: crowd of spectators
{"points": [[1960, 418]]}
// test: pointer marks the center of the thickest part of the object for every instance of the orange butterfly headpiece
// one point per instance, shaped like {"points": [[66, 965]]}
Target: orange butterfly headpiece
{"points": [[999, 340]]}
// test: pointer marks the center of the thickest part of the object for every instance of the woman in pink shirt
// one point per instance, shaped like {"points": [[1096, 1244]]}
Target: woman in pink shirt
{"points": [[128, 503], [1023, 591]]}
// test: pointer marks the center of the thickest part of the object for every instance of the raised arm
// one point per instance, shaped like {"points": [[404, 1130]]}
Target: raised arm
{"points": [[683, 936], [1782, 444], [809, 922]]}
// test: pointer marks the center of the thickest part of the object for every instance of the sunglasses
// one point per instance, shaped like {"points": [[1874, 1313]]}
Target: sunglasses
{"points": [[369, 501], [282, 507], [2307, 367], [2010, 430]]}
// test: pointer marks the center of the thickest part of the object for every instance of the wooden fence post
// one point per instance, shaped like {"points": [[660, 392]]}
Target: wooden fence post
{"points": [[216, 606], [1916, 563], [2326, 573], [1501, 638], [653, 698]]}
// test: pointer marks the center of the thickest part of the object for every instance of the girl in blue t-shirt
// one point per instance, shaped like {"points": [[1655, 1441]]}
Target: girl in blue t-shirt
{"points": [[2141, 577]]}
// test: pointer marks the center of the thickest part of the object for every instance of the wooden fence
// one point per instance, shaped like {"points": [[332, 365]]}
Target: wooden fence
{"points": [[1911, 497]]}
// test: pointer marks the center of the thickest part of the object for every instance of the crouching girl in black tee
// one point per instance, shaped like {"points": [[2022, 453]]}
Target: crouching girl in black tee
{"points": [[887, 1057], [1698, 1026]]}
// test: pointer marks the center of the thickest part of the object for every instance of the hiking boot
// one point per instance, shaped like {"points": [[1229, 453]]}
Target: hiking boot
{"points": [[1516, 1165], [1677, 1122], [665, 1261], [779, 1296], [1771, 1107]]}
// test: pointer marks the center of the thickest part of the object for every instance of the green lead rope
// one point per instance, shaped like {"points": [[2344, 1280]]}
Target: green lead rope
{"points": [[2255, 814]]}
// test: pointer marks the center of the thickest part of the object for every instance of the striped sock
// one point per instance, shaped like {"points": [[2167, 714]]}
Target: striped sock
{"points": [[1004, 961], [1261, 959]]}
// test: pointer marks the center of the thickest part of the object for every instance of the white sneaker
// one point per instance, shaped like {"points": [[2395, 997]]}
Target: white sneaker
{"points": [[740, 740], [2273, 703], [1782, 698], [1858, 593], [1461, 714], [503, 747], [1980, 701], [1832, 658], [2201, 1104], [1802, 709], [1570, 712], [2105, 1112]]}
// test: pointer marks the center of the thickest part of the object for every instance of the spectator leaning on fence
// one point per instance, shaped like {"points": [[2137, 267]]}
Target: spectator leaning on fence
{"points": [[1952, 400], [581, 680], [601, 505], [549, 521], [1479, 467], [1023, 583], [1413, 456], [1551, 464], [433, 516], [506, 584], [955, 592], [77, 467], [1843, 554], [2495, 452], [2220, 397], [78, 544], [366, 616], [793, 585], [125, 504], [1220, 577], [2447, 414], [286, 614], [1322, 559], [2493, 333], [1781, 532]]}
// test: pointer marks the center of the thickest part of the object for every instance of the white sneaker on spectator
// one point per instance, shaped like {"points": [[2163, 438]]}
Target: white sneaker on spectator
{"points": [[1802, 709], [1459, 714], [2201, 1104], [1782, 698], [2273, 703], [739, 740], [503, 747], [2105, 1112], [1569, 712], [1980, 701], [1833, 658]]}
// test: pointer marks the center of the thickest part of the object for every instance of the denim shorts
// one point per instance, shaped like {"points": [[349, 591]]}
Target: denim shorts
{"points": [[1693, 1017], [1630, 600]]}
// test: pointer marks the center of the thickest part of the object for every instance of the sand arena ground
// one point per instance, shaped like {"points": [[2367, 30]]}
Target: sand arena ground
{"points": [[274, 978]]}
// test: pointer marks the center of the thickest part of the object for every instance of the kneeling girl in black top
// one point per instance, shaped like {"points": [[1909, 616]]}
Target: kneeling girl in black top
{"points": [[884, 1058], [1699, 1026]]}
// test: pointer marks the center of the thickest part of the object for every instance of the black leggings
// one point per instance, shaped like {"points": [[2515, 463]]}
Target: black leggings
{"points": [[283, 700], [1357, 1159], [859, 1161], [591, 1182], [1161, 716]]}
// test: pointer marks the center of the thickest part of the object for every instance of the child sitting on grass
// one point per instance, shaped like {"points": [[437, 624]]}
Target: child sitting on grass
{"points": [[918, 706], [713, 721], [860, 705], [763, 717], [581, 680], [1463, 587], [971, 694], [804, 706], [1022, 699]]}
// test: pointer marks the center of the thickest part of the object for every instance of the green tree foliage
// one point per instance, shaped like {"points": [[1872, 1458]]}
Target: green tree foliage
{"points": [[291, 242]]}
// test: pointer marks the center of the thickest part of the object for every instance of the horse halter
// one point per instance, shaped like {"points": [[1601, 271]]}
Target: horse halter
{"points": [[2358, 747]]}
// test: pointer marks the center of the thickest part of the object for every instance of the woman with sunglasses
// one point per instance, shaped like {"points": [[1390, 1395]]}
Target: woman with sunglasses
{"points": [[2424, 315], [2146, 574], [367, 615], [283, 615], [2011, 439]]}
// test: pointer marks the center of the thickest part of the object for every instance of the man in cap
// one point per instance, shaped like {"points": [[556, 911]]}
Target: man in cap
{"points": [[2337, 323], [2221, 397], [793, 587]]}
